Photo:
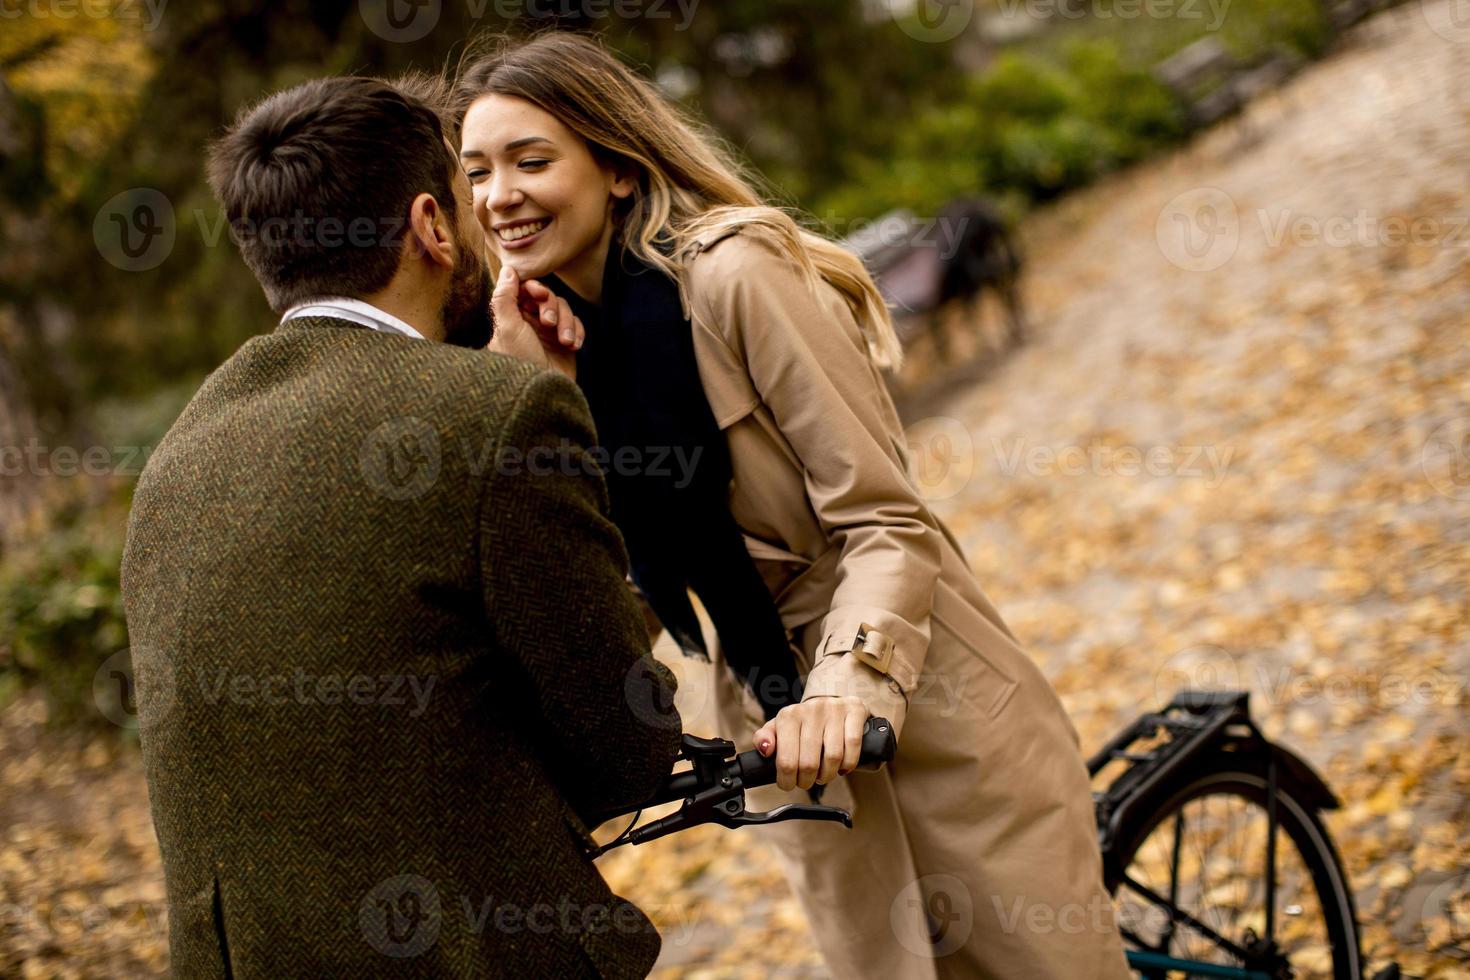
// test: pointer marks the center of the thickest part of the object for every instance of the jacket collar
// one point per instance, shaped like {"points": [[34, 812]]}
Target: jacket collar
{"points": [[352, 310]]}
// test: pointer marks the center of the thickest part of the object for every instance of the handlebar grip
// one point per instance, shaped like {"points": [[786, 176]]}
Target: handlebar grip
{"points": [[879, 744], [879, 747]]}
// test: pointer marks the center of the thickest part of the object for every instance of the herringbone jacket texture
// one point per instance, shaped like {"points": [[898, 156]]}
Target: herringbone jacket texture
{"points": [[388, 667]]}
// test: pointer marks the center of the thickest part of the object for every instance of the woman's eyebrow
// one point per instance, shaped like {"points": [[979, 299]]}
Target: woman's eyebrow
{"points": [[512, 145]]}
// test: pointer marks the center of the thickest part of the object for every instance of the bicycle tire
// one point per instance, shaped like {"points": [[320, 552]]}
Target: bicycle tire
{"points": [[1243, 777]]}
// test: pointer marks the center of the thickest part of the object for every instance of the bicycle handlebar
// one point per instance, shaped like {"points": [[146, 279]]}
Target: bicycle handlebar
{"points": [[754, 769], [713, 788]]}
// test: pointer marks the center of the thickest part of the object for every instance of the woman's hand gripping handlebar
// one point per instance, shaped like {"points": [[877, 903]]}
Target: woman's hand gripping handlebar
{"points": [[713, 787]]}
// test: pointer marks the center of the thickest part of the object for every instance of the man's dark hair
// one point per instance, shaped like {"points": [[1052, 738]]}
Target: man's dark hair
{"points": [[316, 183]]}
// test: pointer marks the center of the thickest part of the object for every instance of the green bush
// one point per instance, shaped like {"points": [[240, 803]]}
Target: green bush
{"points": [[61, 613], [1026, 130]]}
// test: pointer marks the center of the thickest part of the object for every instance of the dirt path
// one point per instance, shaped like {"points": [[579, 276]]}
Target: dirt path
{"points": [[1234, 453]]}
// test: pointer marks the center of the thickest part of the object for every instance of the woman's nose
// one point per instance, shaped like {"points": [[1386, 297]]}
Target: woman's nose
{"points": [[502, 194]]}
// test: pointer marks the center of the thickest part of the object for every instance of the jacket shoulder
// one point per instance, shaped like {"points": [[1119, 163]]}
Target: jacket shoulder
{"points": [[714, 255], [726, 263]]}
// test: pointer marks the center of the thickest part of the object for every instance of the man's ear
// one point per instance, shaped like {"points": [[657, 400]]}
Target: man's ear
{"points": [[429, 232]]}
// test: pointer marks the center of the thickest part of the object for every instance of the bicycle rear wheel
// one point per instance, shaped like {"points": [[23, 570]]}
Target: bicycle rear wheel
{"points": [[1190, 880]]}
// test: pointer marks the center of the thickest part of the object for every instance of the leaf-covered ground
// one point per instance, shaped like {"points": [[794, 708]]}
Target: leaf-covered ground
{"points": [[1235, 452]]}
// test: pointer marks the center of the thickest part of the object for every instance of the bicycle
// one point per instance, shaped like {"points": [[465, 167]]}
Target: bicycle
{"points": [[1202, 794]]}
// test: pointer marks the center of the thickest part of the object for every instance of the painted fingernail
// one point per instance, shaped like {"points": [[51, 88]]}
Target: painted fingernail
{"points": [[843, 772], [764, 746]]}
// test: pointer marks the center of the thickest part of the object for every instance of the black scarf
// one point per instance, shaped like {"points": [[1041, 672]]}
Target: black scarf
{"points": [[669, 488]]}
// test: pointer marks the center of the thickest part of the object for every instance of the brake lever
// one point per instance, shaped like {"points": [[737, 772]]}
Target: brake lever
{"points": [[725, 805], [793, 811]]}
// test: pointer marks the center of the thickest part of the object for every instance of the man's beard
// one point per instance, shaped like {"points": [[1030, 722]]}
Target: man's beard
{"points": [[466, 310]]}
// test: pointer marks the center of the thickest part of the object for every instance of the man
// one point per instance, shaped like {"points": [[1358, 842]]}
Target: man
{"points": [[389, 671]]}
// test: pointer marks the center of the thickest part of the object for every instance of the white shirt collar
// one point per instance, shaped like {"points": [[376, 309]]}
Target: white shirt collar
{"points": [[345, 308]]}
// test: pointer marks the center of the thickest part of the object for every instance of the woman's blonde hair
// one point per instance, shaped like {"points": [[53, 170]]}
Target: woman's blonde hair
{"points": [[689, 181]]}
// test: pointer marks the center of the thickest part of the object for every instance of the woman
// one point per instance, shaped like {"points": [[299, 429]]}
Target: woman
{"points": [[705, 325]]}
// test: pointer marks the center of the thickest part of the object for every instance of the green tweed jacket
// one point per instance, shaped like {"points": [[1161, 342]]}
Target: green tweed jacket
{"points": [[388, 666]]}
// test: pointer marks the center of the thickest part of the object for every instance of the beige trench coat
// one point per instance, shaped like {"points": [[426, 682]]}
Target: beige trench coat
{"points": [[974, 854]]}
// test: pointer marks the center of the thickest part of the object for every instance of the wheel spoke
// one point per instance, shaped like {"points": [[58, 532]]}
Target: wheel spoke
{"points": [[1202, 868]]}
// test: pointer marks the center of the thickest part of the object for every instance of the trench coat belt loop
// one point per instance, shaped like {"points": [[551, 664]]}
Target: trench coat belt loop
{"points": [[807, 597]]}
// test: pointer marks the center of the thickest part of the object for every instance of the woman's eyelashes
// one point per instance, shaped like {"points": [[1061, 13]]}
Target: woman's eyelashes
{"points": [[480, 173]]}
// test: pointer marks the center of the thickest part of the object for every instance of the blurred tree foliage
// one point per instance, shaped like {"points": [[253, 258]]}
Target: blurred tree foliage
{"points": [[113, 105], [833, 101]]}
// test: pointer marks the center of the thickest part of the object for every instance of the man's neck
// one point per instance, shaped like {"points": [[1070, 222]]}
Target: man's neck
{"points": [[412, 310]]}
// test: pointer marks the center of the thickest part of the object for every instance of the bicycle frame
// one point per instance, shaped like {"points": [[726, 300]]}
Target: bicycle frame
{"points": [[1141, 960]]}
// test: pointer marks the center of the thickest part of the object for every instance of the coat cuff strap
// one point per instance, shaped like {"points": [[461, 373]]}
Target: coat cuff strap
{"points": [[877, 638]]}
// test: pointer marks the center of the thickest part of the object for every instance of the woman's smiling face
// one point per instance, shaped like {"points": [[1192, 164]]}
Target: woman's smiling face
{"points": [[544, 201]]}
